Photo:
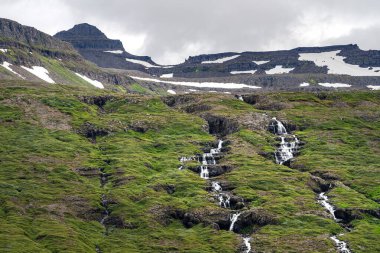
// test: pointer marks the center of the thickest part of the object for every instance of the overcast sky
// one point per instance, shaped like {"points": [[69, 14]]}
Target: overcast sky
{"points": [[171, 30]]}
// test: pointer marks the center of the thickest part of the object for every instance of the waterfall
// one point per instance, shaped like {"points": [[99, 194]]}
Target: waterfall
{"points": [[233, 219], [209, 159], [247, 243], [278, 127], [288, 145], [341, 245], [204, 172]]}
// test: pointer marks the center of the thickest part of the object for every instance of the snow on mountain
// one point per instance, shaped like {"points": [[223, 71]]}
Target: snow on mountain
{"points": [[260, 62], [167, 75], [373, 87], [144, 63], [200, 84], [7, 66], [114, 51], [40, 72], [221, 60], [304, 84], [90, 81], [279, 69], [335, 85], [336, 64], [243, 72]]}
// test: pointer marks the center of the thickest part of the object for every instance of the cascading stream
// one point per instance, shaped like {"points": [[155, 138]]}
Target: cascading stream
{"points": [[222, 196], [287, 148]]}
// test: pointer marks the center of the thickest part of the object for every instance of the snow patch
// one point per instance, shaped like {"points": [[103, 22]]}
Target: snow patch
{"points": [[7, 66], [279, 69], [373, 87], [192, 90], [144, 63], [114, 51], [221, 60], [260, 62], [167, 75], [243, 72], [304, 84], [200, 85], [335, 85], [3, 50], [336, 64], [40, 72], [172, 92], [90, 81]]}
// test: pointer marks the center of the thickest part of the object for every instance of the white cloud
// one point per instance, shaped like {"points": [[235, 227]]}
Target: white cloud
{"points": [[172, 30]]}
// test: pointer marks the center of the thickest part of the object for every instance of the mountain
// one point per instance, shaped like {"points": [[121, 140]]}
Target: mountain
{"points": [[305, 68], [31, 55], [94, 46]]}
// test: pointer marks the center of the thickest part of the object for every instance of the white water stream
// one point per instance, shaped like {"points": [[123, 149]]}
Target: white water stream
{"points": [[288, 145], [222, 196], [324, 201]]}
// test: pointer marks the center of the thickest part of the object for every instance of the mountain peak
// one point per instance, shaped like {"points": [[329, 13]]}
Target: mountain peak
{"points": [[82, 30], [86, 36]]}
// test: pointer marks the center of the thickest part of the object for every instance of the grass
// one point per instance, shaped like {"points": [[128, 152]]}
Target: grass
{"points": [[47, 206]]}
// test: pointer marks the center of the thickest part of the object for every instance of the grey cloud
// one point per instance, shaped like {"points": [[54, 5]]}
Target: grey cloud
{"points": [[175, 29]]}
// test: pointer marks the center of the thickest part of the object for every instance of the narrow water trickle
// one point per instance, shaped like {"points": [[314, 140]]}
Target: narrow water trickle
{"points": [[247, 243], [324, 201], [341, 245], [233, 220]]}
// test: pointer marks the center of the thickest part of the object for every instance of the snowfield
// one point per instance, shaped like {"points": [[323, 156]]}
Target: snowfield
{"points": [[90, 81], [260, 62], [304, 84], [3, 50], [200, 85], [221, 60], [144, 63], [243, 72], [336, 64], [373, 87], [167, 75], [278, 70], [172, 92], [335, 85], [40, 72], [7, 66], [114, 51]]}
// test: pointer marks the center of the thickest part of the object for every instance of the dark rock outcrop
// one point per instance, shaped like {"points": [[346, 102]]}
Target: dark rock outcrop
{"points": [[256, 217], [221, 125], [91, 131]]}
